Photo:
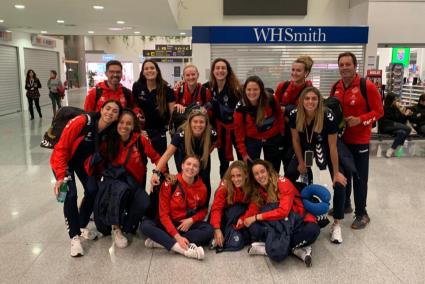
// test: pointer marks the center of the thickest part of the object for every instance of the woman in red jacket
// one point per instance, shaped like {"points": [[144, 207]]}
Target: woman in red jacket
{"points": [[182, 209], [68, 157], [270, 188], [259, 124], [127, 148], [230, 201]]}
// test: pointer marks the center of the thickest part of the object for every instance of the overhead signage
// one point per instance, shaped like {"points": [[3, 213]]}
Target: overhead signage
{"points": [[259, 8], [401, 55], [168, 50], [108, 57], [280, 35], [42, 41], [6, 36]]}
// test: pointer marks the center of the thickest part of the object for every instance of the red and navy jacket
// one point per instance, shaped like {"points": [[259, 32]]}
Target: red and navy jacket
{"points": [[183, 96], [245, 126], [291, 95], [353, 104], [135, 165], [220, 203], [107, 94], [174, 207], [68, 143], [289, 200]]}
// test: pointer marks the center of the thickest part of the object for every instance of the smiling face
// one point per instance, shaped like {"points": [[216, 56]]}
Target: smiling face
{"points": [[253, 92], [149, 71], [310, 102], [198, 124], [220, 70], [125, 126], [298, 73], [238, 177], [190, 76], [190, 167], [347, 69], [261, 175], [114, 75], [109, 112]]}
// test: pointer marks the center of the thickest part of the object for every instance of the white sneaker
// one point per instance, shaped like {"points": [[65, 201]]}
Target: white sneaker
{"points": [[194, 252], [76, 247], [149, 243], [119, 239], [389, 153], [89, 234], [304, 253], [257, 248], [336, 234]]}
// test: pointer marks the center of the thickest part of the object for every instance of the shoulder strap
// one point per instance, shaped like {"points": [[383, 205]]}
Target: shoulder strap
{"points": [[203, 92], [127, 158], [333, 89], [98, 95], [139, 146], [285, 87], [127, 95], [174, 187], [363, 91]]}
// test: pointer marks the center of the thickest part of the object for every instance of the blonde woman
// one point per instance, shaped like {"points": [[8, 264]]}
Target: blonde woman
{"points": [[195, 138], [314, 132]]}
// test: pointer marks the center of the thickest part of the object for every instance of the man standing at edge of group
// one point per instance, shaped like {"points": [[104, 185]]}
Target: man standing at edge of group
{"points": [[110, 89], [359, 114]]}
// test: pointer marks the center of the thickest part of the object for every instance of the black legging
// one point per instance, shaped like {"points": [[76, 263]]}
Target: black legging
{"points": [[37, 106]]}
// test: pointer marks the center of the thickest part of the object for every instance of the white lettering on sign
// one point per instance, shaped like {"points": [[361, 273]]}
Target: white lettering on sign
{"points": [[288, 35]]}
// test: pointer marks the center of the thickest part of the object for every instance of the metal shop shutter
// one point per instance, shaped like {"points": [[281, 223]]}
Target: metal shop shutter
{"points": [[10, 95], [42, 61], [273, 62]]}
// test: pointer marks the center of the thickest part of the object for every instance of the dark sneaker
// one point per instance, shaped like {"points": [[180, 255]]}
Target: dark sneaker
{"points": [[347, 210], [360, 222]]}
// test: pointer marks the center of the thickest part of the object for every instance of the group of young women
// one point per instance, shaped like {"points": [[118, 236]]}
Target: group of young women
{"points": [[252, 204]]}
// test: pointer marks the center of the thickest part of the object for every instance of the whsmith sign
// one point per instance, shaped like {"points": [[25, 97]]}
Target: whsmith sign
{"points": [[280, 35]]}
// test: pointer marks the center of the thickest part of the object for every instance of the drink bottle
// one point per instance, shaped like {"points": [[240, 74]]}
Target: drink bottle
{"points": [[63, 190]]}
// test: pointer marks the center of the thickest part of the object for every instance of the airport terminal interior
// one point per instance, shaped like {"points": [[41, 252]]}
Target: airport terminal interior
{"points": [[34, 242]]}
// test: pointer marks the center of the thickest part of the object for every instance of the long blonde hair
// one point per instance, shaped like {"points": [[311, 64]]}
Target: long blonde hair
{"points": [[189, 138], [227, 180], [318, 116], [271, 188]]}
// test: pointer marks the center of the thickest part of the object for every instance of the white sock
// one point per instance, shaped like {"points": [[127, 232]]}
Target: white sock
{"points": [[178, 249]]}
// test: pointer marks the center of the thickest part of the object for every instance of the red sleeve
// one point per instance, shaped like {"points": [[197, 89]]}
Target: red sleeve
{"points": [[251, 211], [89, 104], [286, 192], [375, 104], [238, 118], [100, 167], [278, 93], [200, 215], [63, 150], [176, 95], [218, 206], [164, 209], [150, 152]]}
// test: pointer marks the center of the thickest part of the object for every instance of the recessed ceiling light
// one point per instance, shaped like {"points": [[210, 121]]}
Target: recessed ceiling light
{"points": [[60, 21], [120, 22], [19, 6], [1, 21], [43, 32], [136, 32], [115, 29], [182, 33], [91, 32], [98, 7], [7, 31]]}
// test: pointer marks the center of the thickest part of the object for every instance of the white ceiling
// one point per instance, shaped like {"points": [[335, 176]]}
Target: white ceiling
{"points": [[154, 17]]}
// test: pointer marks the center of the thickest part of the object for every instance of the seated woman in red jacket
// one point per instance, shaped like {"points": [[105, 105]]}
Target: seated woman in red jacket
{"points": [[270, 188], [230, 202], [127, 148], [259, 124], [182, 209], [69, 155]]}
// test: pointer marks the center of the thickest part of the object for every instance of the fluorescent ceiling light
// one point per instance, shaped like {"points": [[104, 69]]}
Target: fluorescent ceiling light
{"points": [[43, 32], [19, 6], [7, 31], [91, 32], [98, 7], [120, 22], [60, 21], [136, 32], [115, 29], [1, 21], [182, 33]]}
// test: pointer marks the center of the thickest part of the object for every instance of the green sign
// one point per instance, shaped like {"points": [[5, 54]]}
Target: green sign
{"points": [[401, 55]]}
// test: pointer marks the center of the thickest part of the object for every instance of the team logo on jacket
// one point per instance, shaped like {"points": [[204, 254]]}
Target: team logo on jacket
{"points": [[142, 96], [225, 99]]}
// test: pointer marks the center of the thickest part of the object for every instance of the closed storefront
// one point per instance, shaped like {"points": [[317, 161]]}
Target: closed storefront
{"points": [[10, 98]]}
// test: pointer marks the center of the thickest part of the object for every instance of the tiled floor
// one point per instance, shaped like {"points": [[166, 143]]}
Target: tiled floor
{"points": [[34, 246]]}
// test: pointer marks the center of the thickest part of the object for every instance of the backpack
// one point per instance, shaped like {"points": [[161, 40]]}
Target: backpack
{"points": [[285, 87], [126, 92], [268, 122], [333, 104], [63, 116], [363, 91], [202, 91]]}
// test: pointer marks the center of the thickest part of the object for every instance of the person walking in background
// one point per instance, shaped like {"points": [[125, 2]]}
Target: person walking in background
{"points": [[54, 84], [32, 84]]}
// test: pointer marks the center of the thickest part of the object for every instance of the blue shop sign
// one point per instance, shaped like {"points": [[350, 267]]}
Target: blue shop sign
{"points": [[108, 57], [280, 35]]}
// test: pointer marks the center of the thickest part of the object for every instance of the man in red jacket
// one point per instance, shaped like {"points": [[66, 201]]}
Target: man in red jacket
{"points": [[360, 112], [109, 89]]}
